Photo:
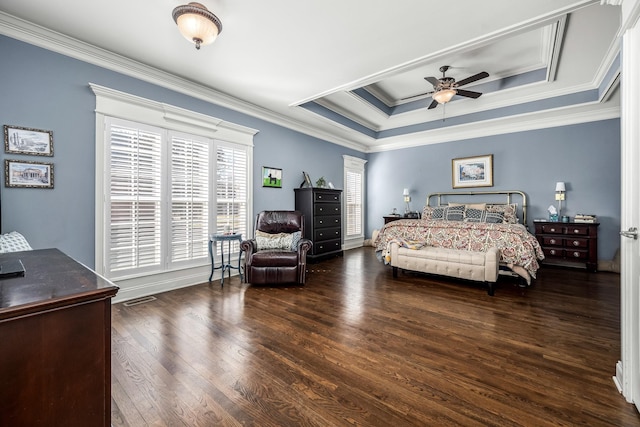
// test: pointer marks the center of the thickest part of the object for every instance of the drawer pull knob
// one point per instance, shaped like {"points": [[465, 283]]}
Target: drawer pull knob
{"points": [[576, 243], [553, 230], [576, 231], [576, 254], [552, 251], [552, 241]]}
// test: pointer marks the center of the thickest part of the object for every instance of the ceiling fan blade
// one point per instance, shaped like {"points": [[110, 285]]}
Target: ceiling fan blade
{"points": [[473, 78], [468, 93], [433, 104], [435, 82], [415, 96]]}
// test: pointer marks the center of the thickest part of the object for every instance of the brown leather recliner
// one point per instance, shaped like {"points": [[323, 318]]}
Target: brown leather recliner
{"points": [[265, 265]]}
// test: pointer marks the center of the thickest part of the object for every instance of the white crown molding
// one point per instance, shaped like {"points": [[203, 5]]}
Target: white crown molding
{"points": [[331, 106], [556, 117]]}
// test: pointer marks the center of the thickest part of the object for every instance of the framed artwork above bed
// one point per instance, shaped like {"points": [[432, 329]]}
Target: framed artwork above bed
{"points": [[472, 171]]}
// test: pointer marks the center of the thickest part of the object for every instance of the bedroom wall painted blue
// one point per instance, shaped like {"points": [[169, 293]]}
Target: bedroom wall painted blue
{"points": [[585, 156], [46, 90]]}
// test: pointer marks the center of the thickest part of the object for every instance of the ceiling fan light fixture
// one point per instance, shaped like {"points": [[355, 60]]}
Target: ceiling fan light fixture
{"points": [[197, 24], [444, 95]]}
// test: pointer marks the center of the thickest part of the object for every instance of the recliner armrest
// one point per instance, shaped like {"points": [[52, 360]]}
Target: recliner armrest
{"points": [[304, 245], [249, 246]]}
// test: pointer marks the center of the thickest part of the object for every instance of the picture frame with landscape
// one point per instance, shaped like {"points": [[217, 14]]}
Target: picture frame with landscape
{"points": [[22, 140], [472, 171], [27, 174]]}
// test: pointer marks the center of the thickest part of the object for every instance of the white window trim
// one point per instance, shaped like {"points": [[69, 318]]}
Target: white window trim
{"points": [[354, 164], [113, 103]]}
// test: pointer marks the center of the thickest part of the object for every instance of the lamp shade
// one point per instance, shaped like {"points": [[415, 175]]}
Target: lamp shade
{"points": [[197, 24], [405, 192], [560, 186], [443, 96]]}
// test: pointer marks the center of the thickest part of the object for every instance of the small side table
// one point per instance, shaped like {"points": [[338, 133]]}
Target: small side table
{"points": [[224, 266], [389, 218]]}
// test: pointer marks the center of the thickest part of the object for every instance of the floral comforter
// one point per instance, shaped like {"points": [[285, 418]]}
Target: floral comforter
{"points": [[519, 249]]}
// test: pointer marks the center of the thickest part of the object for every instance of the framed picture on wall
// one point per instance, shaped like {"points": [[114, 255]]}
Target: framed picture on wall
{"points": [[472, 171], [26, 174], [271, 177], [19, 140]]}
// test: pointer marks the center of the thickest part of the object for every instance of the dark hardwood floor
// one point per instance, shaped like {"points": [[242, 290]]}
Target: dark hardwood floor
{"points": [[356, 347]]}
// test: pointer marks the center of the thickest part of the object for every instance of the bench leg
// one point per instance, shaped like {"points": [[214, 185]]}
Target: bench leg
{"points": [[395, 272], [490, 288]]}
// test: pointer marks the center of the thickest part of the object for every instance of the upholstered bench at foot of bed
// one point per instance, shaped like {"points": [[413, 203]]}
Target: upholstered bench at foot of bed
{"points": [[478, 266]]}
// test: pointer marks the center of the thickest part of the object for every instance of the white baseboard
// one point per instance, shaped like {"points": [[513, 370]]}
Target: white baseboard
{"points": [[151, 285]]}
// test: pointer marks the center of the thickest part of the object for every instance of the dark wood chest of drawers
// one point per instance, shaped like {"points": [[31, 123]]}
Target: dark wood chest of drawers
{"points": [[571, 243], [55, 355], [322, 210]]}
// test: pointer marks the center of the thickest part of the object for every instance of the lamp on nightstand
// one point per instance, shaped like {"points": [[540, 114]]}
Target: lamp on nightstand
{"points": [[560, 190], [407, 199]]}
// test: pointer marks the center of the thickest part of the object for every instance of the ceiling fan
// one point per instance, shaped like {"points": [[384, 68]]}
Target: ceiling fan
{"points": [[445, 87]]}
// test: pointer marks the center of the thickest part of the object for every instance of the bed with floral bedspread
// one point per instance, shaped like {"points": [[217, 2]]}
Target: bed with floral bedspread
{"points": [[519, 249]]}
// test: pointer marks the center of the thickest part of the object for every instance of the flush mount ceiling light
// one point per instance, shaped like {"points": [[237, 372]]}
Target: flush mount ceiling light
{"points": [[197, 24]]}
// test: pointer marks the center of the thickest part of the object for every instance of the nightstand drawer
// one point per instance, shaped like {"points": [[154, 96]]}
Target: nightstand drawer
{"points": [[577, 243], [552, 241], [577, 255], [553, 252], [552, 229], [578, 231]]}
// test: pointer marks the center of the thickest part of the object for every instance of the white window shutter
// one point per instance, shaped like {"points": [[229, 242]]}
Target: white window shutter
{"points": [[189, 198], [231, 190], [135, 198]]}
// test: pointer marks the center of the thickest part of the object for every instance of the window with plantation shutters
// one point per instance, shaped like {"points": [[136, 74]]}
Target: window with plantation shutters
{"points": [[135, 197], [166, 179], [354, 199]]}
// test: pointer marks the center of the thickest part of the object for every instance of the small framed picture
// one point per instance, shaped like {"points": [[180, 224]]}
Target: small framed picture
{"points": [[472, 171], [26, 174], [271, 177], [307, 181], [19, 140]]}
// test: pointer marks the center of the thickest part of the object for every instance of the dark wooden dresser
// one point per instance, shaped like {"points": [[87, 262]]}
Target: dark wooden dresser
{"points": [[570, 243], [55, 343], [322, 210]]}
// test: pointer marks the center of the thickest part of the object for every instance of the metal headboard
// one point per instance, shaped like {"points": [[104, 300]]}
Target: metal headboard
{"points": [[507, 193]]}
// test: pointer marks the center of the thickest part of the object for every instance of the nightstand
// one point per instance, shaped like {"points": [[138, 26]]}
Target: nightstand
{"points": [[569, 243], [389, 218]]}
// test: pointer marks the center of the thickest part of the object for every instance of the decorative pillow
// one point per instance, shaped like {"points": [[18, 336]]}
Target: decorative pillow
{"points": [[295, 239], [480, 206], [510, 212], [427, 211], [478, 215], [274, 241], [448, 213], [13, 242]]}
